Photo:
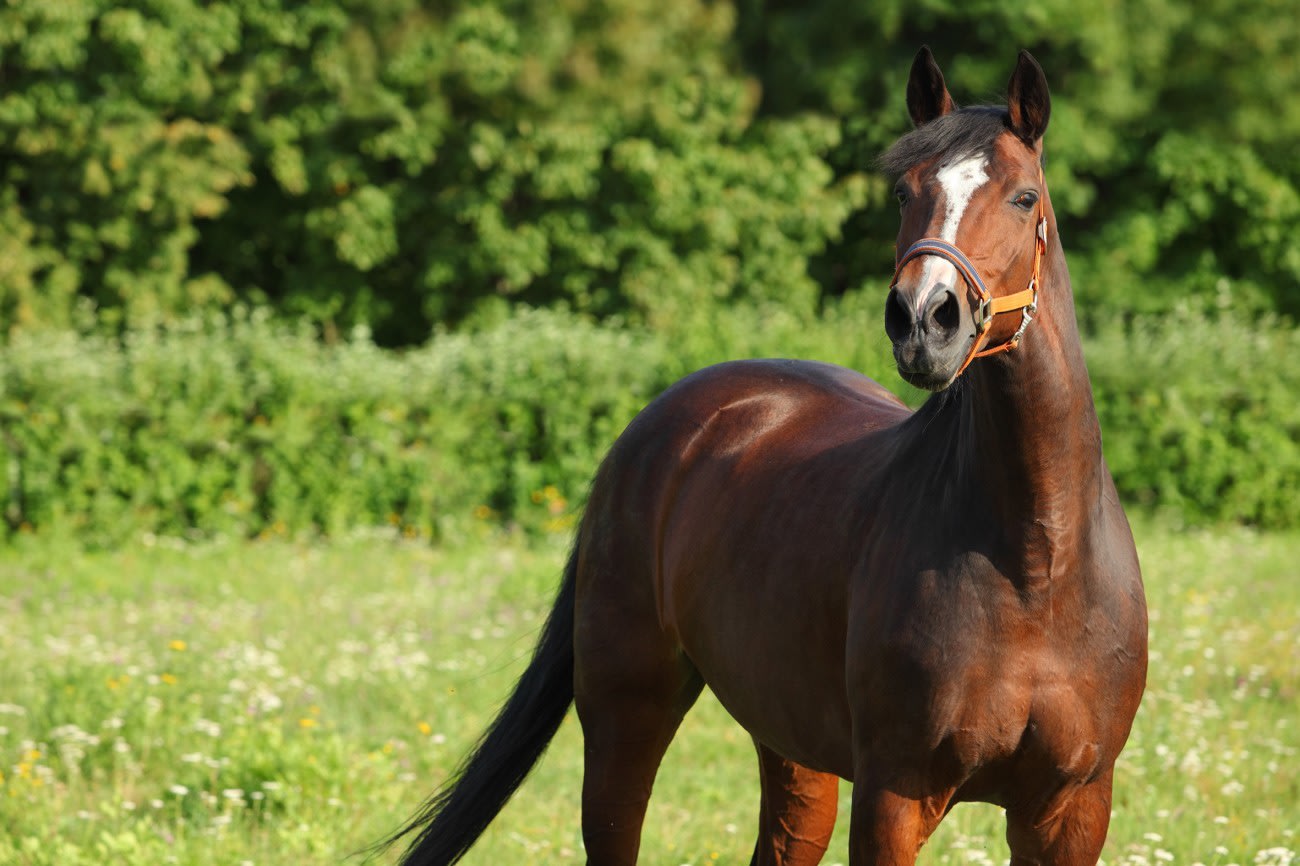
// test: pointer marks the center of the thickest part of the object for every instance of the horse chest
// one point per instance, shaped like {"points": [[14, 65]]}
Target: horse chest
{"points": [[975, 689]]}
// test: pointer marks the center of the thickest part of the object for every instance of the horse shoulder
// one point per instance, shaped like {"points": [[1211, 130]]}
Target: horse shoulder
{"points": [[1089, 658], [948, 646]]}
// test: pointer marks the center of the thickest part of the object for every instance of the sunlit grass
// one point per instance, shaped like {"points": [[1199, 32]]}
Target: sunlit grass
{"points": [[276, 703]]}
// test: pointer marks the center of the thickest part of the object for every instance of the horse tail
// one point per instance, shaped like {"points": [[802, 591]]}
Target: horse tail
{"points": [[454, 817]]}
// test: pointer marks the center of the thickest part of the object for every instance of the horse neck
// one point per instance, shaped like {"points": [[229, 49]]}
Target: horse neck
{"points": [[1037, 461]]}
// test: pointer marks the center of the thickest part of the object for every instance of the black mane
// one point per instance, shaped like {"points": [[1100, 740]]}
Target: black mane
{"points": [[966, 131]]}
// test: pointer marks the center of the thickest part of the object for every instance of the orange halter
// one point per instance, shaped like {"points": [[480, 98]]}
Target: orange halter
{"points": [[1026, 300]]}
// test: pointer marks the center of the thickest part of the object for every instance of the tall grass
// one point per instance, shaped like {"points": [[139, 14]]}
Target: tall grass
{"points": [[282, 702]]}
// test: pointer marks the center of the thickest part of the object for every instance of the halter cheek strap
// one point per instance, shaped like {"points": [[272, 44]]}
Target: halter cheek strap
{"points": [[987, 306]]}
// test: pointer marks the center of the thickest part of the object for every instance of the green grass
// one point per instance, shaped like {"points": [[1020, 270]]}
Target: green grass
{"points": [[279, 702]]}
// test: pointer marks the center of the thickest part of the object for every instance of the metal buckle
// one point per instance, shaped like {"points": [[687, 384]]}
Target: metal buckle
{"points": [[1026, 316], [983, 319]]}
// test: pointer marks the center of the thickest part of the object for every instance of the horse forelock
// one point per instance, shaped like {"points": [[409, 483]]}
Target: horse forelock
{"points": [[959, 134]]}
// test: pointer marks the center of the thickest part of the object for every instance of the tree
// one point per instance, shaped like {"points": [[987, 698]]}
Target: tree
{"points": [[1171, 151], [399, 164]]}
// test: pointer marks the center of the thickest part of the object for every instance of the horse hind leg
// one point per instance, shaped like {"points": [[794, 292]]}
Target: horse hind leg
{"points": [[631, 697], [797, 815]]}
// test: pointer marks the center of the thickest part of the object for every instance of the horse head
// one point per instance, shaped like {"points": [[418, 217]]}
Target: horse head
{"points": [[974, 223]]}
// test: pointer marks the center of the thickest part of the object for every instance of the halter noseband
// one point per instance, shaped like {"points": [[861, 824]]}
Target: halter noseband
{"points": [[1026, 300]]}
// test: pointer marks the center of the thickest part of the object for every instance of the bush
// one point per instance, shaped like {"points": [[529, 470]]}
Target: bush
{"points": [[1200, 414], [239, 425], [528, 407], [848, 331]]}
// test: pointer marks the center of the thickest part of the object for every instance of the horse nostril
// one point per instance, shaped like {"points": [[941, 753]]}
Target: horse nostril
{"points": [[945, 312], [898, 316]]}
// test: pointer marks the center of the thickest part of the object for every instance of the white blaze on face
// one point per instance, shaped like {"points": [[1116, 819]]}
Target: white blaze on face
{"points": [[959, 181]]}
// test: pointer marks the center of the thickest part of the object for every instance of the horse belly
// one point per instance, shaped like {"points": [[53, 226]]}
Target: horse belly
{"points": [[785, 694], [759, 610]]}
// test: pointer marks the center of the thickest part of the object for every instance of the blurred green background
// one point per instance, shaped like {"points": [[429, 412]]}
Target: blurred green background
{"points": [[270, 267]]}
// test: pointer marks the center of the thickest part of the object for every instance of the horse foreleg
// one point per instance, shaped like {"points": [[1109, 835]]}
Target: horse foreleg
{"points": [[1067, 830], [891, 823], [797, 815]]}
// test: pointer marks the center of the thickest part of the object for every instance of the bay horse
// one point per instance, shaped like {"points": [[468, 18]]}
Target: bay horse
{"points": [[938, 606]]}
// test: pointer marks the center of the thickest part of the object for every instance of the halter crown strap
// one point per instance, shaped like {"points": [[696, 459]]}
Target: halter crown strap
{"points": [[1025, 300]]}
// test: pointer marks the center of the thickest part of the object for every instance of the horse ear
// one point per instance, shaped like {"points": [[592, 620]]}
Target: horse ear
{"points": [[927, 95], [1028, 102]]}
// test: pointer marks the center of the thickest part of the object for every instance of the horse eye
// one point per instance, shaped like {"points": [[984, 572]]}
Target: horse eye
{"points": [[901, 195], [1026, 200]]}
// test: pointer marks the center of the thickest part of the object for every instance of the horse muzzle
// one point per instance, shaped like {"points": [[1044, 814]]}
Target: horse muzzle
{"points": [[927, 333]]}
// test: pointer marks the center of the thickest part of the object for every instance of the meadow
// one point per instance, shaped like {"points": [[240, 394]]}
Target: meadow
{"points": [[290, 701]]}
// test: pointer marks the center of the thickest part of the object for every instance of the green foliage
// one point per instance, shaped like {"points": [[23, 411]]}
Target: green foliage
{"points": [[110, 166], [1171, 154], [246, 427], [397, 165], [1200, 414], [527, 408], [402, 165], [845, 331], [242, 426]]}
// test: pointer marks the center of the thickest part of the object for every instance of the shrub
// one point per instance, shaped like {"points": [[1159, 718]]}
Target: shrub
{"points": [[529, 406], [240, 425], [1200, 414]]}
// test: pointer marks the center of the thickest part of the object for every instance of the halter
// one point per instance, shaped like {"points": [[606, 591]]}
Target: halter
{"points": [[1026, 300]]}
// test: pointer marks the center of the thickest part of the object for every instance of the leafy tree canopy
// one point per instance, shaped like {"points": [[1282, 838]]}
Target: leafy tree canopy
{"points": [[405, 165]]}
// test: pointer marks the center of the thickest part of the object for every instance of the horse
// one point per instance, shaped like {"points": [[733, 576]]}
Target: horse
{"points": [[939, 606]]}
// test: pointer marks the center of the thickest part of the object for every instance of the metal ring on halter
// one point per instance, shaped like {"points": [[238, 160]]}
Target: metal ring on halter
{"points": [[1026, 316]]}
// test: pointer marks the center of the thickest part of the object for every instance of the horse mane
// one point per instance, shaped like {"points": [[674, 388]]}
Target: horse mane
{"points": [[963, 132]]}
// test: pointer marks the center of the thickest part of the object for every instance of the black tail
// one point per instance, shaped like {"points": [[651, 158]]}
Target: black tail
{"points": [[455, 816]]}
